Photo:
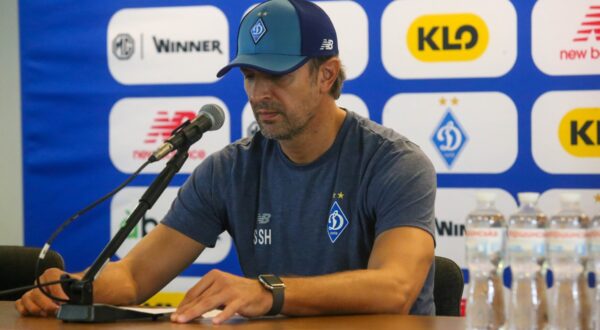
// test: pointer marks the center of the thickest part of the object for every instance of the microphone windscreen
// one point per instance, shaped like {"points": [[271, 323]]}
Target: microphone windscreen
{"points": [[215, 113]]}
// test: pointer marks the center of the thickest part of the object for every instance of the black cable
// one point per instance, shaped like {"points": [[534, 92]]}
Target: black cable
{"points": [[81, 212], [28, 287]]}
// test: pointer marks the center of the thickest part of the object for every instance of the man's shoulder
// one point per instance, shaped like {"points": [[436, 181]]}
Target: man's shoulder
{"points": [[383, 138], [241, 150]]}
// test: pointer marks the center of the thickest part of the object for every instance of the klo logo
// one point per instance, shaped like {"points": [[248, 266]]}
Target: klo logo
{"points": [[579, 132], [448, 37]]}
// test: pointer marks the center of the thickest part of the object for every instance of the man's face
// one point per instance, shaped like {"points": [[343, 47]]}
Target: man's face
{"points": [[283, 105]]}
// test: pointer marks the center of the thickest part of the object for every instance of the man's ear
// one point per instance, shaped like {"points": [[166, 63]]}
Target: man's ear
{"points": [[328, 73]]}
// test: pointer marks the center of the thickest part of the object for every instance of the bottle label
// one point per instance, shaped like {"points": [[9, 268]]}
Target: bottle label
{"points": [[593, 236], [567, 241], [527, 241], [485, 240]]}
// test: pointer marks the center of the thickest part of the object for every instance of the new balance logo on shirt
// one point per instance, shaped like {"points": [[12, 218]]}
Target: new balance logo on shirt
{"points": [[262, 236]]}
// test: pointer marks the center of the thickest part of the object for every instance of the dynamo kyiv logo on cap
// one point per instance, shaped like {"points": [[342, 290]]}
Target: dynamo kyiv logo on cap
{"points": [[449, 138], [258, 30], [336, 223]]}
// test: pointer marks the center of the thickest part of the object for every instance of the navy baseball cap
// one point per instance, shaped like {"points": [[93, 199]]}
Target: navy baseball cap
{"points": [[279, 36]]}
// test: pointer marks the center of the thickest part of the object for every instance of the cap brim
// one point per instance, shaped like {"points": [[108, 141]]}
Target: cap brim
{"points": [[269, 63]]}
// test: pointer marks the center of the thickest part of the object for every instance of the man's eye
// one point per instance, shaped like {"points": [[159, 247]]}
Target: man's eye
{"points": [[279, 78]]}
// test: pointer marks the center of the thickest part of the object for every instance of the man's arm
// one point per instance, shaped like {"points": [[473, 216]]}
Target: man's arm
{"points": [[398, 266], [149, 266]]}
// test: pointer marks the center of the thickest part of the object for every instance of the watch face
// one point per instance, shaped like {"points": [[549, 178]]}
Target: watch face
{"points": [[270, 280]]}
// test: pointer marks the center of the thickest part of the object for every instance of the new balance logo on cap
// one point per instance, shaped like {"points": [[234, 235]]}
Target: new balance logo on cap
{"points": [[327, 44]]}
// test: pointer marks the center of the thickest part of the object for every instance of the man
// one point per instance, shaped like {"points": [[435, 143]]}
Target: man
{"points": [[339, 208]]}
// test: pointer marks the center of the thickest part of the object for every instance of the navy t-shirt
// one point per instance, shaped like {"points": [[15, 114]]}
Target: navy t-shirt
{"points": [[312, 219]]}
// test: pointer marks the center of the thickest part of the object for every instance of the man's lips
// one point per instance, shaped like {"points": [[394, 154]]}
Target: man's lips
{"points": [[267, 115]]}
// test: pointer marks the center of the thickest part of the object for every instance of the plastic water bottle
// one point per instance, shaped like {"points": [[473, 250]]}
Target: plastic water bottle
{"points": [[567, 297], [485, 239], [593, 236], [526, 251]]}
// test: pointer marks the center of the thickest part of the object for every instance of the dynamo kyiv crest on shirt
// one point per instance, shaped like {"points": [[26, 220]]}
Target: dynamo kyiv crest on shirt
{"points": [[336, 223]]}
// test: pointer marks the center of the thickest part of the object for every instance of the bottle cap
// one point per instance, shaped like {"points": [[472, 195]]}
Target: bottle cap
{"points": [[570, 197], [485, 196], [528, 197]]}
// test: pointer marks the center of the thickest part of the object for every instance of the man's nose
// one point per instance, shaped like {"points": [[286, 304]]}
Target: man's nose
{"points": [[261, 89]]}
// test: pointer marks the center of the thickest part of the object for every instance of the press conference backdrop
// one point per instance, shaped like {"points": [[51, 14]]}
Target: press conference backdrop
{"points": [[501, 95]]}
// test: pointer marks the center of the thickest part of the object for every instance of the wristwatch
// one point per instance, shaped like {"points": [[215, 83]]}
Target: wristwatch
{"points": [[277, 288]]}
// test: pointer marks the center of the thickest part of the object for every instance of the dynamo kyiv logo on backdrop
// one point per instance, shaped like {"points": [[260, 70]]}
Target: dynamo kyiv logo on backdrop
{"points": [[336, 223], [449, 138]]}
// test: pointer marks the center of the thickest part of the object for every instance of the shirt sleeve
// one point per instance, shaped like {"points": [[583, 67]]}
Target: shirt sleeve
{"points": [[403, 190], [195, 211]]}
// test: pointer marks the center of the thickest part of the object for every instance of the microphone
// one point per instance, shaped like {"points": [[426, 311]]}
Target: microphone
{"points": [[210, 118]]}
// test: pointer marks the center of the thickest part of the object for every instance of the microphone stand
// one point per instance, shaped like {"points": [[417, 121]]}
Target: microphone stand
{"points": [[80, 307]]}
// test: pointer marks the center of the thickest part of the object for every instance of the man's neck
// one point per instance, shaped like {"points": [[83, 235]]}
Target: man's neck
{"points": [[317, 138]]}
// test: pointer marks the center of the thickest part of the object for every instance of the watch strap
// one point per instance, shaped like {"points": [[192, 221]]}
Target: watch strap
{"points": [[278, 295]]}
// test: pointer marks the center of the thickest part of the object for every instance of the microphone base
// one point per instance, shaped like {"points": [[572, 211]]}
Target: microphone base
{"points": [[100, 313]]}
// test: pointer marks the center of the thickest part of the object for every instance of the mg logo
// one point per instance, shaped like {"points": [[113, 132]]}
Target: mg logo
{"points": [[123, 46], [449, 138], [447, 37], [579, 132]]}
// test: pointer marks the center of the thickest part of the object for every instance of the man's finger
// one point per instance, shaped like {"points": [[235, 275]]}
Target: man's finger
{"points": [[57, 291], [20, 308], [47, 305], [198, 289], [227, 313], [198, 308], [30, 306]]}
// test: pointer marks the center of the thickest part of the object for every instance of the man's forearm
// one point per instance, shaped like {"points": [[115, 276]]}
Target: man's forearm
{"points": [[115, 285], [360, 291]]}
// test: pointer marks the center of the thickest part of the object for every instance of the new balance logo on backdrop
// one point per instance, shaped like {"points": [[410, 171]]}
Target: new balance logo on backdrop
{"points": [[162, 128], [589, 30], [137, 126], [591, 25], [163, 125], [571, 47]]}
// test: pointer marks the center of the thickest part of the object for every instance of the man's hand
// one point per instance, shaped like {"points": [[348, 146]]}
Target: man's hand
{"points": [[35, 303], [218, 289]]}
